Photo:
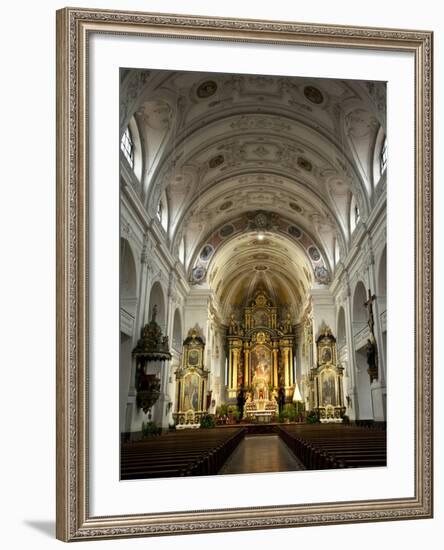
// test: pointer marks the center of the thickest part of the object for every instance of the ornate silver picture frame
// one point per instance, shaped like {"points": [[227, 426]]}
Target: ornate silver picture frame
{"points": [[75, 518]]}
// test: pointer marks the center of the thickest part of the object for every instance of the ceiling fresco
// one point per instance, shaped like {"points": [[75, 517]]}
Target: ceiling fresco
{"points": [[259, 173]]}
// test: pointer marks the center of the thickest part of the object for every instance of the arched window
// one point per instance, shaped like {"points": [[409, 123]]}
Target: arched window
{"points": [[383, 156], [159, 212], [162, 211], [182, 251], [127, 146], [355, 214]]}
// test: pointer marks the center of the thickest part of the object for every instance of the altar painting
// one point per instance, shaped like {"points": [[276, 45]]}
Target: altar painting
{"points": [[191, 392], [261, 371]]}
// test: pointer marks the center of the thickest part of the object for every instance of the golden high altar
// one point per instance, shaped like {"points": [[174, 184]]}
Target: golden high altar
{"points": [[260, 356]]}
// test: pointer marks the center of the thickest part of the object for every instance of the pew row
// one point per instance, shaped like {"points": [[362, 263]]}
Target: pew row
{"points": [[184, 453], [327, 446]]}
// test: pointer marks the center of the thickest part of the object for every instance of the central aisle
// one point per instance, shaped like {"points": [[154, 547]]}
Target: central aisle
{"points": [[261, 453]]}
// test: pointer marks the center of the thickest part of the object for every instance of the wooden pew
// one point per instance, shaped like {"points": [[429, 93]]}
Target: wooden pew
{"points": [[335, 446], [182, 453]]}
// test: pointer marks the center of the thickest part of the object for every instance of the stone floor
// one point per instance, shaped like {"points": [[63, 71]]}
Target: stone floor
{"points": [[261, 453]]}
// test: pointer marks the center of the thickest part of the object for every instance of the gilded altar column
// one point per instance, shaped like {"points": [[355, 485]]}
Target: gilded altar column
{"points": [[235, 367], [286, 369], [273, 320], [275, 365], [290, 366], [230, 366], [246, 365]]}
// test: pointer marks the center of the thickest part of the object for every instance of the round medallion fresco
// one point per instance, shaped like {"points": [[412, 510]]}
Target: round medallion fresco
{"points": [[313, 94], [216, 161], [261, 220], [314, 253], [225, 205], [294, 206], [198, 273], [226, 231], [206, 253], [321, 274], [295, 232], [304, 164], [206, 89]]}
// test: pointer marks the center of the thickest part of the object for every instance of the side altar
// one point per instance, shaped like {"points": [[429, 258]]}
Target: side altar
{"points": [[192, 381], [260, 353], [326, 380]]}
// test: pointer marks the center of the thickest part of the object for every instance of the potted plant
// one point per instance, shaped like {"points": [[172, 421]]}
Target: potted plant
{"points": [[207, 421]]}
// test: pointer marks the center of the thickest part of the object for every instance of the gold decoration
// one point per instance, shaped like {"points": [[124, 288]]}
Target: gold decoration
{"points": [[192, 379], [260, 356]]}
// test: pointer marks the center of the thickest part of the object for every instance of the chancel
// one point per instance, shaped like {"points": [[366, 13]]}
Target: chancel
{"points": [[252, 273]]}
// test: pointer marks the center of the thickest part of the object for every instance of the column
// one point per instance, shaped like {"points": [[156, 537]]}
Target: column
{"points": [[290, 366], [246, 364], [275, 365], [230, 366], [353, 412], [235, 369], [378, 386], [285, 361]]}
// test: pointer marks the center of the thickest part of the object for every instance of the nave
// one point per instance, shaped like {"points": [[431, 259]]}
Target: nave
{"points": [[274, 456], [253, 272], [253, 449]]}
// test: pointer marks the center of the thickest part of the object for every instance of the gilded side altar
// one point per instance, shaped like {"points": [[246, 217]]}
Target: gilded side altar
{"points": [[326, 380]]}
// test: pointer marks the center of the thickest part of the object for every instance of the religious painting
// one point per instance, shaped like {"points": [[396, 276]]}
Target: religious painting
{"points": [[193, 357], [328, 384], [191, 392], [250, 268], [326, 355], [260, 364], [261, 318]]}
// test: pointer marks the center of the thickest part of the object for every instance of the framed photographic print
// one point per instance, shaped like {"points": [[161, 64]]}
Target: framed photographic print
{"points": [[244, 274]]}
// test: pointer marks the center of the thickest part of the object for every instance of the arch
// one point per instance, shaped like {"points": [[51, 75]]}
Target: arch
{"points": [[381, 289], [379, 156], [382, 276], [128, 309], [177, 331], [363, 388], [157, 299], [342, 339], [359, 309], [128, 278], [214, 240]]}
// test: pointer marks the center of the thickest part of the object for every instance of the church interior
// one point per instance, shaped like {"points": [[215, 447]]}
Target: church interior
{"points": [[252, 273]]}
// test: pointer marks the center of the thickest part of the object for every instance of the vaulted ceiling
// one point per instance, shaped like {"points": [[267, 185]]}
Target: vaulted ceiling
{"points": [[258, 173]]}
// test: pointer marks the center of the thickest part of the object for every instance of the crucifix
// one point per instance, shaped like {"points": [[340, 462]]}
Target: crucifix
{"points": [[369, 305]]}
